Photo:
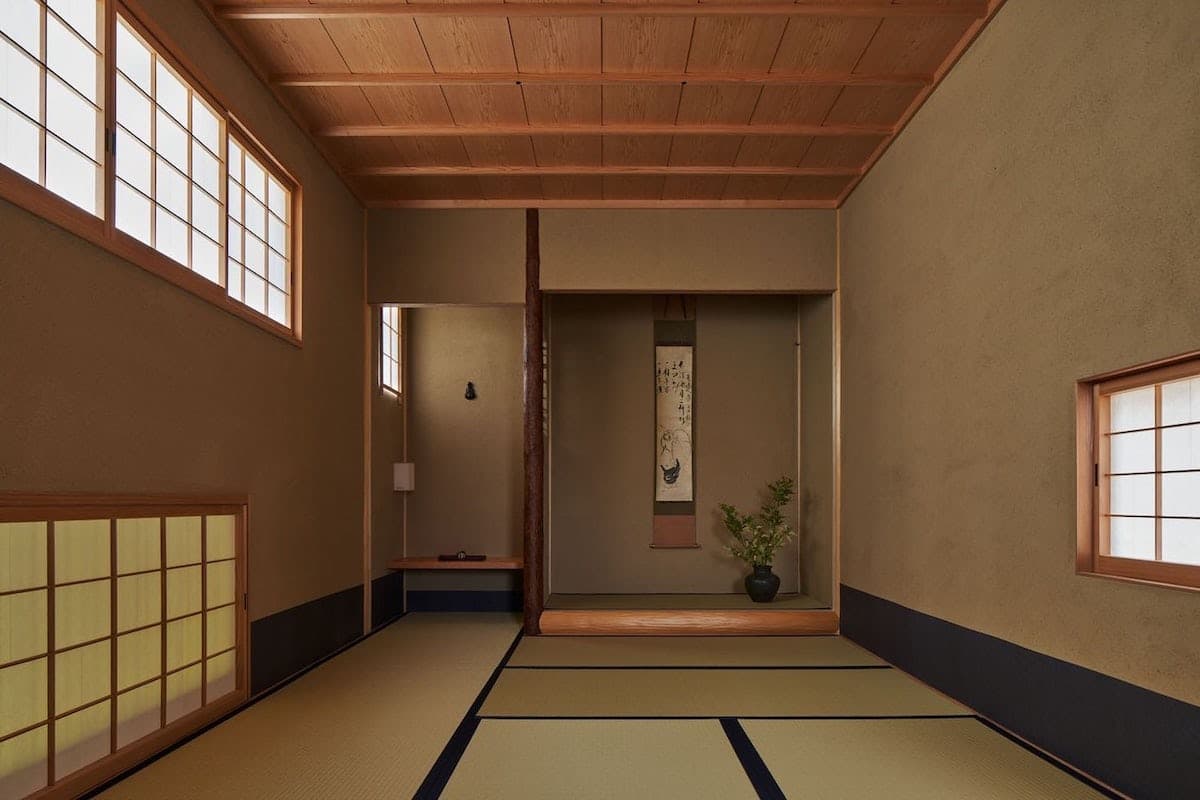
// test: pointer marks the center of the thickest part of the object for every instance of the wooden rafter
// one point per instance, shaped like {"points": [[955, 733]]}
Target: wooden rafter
{"points": [[327, 79], [615, 129], [591, 169], [332, 10]]}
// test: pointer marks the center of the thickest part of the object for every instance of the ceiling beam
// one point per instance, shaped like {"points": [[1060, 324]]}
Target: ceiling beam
{"points": [[322, 9], [407, 171], [615, 129], [538, 202], [581, 79]]}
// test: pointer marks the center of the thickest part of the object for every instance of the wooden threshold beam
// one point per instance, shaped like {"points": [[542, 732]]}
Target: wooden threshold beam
{"points": [[537, 202], [323, 9], [688, 622], [326, 79], [616, 129], [406, 171]]}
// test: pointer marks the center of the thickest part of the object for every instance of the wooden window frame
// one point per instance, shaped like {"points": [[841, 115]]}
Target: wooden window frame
{"points": [[51, 508], [384, 388], [101, 230], [1092, 459]]}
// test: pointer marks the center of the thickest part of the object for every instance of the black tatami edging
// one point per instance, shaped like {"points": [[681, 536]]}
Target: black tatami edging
{"points": [[439, 774], [263, 695], [685, 667], [756, 769]]}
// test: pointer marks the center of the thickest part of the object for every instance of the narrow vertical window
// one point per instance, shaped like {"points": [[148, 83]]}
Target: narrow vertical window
{"points": [[51, 98], [389, 349], [260, 234], [169, 165]]}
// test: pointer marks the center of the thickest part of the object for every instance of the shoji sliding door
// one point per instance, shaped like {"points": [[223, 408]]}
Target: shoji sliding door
{"points": [[122, 628]]}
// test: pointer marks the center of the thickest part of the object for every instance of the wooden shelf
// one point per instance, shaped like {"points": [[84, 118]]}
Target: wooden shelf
{"points": [[431, 562]]}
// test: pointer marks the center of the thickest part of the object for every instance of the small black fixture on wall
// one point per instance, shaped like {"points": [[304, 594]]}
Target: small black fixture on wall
{"points": [[470, 393]]}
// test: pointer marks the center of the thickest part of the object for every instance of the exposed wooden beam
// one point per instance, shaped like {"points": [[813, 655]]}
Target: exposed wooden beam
{"points": [[616, 129], [323, 9], [591, 169], [536, 202], [603, 78], [534, 429]]}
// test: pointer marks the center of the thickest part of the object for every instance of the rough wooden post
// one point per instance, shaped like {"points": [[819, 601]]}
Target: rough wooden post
{"points": [[534, 428]]}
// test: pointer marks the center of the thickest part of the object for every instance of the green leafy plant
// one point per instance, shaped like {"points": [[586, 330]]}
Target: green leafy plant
{"points": [[756, 537]]}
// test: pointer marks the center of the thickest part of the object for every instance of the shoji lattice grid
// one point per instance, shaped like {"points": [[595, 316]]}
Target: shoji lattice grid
{"points": [[169, 145], [389, 348], [51, 118], [111, 628], [260, 236]]}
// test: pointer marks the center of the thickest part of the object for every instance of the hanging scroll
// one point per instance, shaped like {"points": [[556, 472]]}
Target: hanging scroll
{"points": [[673, 424]]}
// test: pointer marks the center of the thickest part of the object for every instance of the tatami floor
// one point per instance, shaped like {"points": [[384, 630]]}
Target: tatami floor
{"points": [[457, 706]]}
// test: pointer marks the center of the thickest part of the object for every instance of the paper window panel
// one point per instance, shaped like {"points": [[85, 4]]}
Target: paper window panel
{"points": [[82, 675], [23, 695], [1181, 541], [82, 612], [222, 675], [138, 544], [1131, 537], [139, 657], [1181, 402], [81, 738], [221, 581], [82, 550], [183, 692], [221, 531], [1181, 448], [183, 642], [1132, 452], [1181, 494], [23, 625], [139, 713], [1132, 409], [24, 763], [183, 541], [221, 629], [22, 555], [183, 591], [139, 601]]}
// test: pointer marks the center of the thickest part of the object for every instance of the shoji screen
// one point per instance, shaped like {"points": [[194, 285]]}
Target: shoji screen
{"points": [[122, 628]]}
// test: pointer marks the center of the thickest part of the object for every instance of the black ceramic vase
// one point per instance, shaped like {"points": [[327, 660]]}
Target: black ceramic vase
{"points": [[762, 585]]}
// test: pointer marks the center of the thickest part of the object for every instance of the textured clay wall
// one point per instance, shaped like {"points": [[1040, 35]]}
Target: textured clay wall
{"points": [[116, 381], [1036, 223]]}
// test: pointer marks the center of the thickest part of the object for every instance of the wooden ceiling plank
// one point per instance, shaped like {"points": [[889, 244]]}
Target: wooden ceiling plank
{"points": [[756, 187], [495, 151], [694, 187], [646, 44], [972, 9], [573, 187], [841, 151], [727, 105], [636, 150], [409, 105], [912, 45], [467, 44], [610, 77], [554, 151], [634, 187], [871, 105], [432, 151], [629, 104], [380, 45], [735, 43], [704, 150], [772, 150], [574, 105], [824, 44], [548, 44], [486, 105], [795, 104]]}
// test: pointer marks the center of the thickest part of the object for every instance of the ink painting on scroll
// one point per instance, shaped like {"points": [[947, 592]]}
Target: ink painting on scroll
{"points": [[673, 423]]}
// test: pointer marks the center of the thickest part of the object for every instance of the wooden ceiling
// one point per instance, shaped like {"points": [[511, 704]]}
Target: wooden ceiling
{"points": [[671, 103]]}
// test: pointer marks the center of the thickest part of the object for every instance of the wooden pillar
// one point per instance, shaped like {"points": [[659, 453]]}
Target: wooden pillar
{"points": [[535, 436]]}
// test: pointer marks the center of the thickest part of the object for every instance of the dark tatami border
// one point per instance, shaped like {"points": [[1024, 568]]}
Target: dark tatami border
{"points": [[1139, 742], [756, 769], [439, 774]]}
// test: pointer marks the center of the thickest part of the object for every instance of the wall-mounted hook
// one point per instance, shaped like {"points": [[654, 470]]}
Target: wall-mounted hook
{"points": [[470, 393]]}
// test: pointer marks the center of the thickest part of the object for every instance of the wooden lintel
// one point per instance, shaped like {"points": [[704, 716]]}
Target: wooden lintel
{"points": [[615, 129], [334, 79], [536, 202], [324, 9], [406, 171]]}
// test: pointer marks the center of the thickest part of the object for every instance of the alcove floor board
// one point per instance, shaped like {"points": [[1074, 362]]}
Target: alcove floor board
{"points": [[783, 602]]}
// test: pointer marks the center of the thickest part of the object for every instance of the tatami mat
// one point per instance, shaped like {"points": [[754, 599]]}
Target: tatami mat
{"points": [[783, 602], [904, 759], [367, 724], [582, 759], [711, 693], [712, 651]]}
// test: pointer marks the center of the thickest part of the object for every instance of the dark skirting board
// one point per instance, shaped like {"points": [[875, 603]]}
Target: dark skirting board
{"points": [[1139, 742], [387, 598], [287, 642], [464, 600]]}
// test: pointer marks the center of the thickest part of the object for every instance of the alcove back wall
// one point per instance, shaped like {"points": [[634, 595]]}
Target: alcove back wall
{"points": [[602, 434]]}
